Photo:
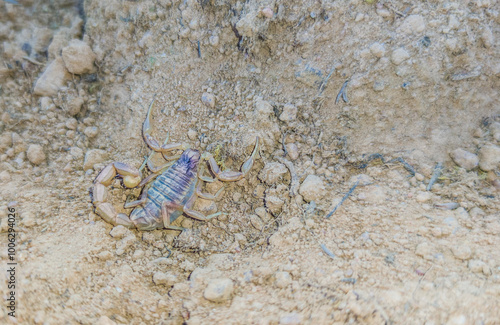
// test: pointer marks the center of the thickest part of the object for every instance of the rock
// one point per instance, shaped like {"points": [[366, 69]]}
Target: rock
{"points": [[377, 49], [78, 57], [166, 279], [282, 279], [53, 78], [71, 123], [495, 130], [255, 221], [4, 176], [464, 159], [263, 214], [458, 319], [192, 134], [487, 37], [274, 203], [263, 108], [267, 12], [219, 290], [309, 76], [75, 105], [462, 252], [413, 24], [76, 153], [35, 154], [118, 231], [399, 56], [423, 249], [104, 320], [378, 86], [5, 141], [91, 131], [476, 266], [373, 194], [289, 113], [272, 172], [18, 143], [93, 157], [312, 189], [28, 219], [125, 243], [104, 255], [489, 157], [476, 212], [423, 197], [208, 100], [246, 26], [292, 150]]}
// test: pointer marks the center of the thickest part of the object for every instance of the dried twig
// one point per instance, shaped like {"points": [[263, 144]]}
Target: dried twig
{"points": [[435, 175], [343, 199]]}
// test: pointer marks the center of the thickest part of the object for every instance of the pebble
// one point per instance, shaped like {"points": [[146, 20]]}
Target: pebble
{"points": [[373, 194], [118, 231], [377, 49], [399, 56], [292, 150], [219, 290], [289, 113], [91, 131], [309, 76], [35, 154], [282, 279], [476, 212], [93, 157], [312, 189], [5, 141], [78, 57], [53, 78], [464, 159], [104, 255], [192, 134], [476, 266], [166, 279], [267, 12], [489, 157], [423, 249], [272, 172], [75, 106], [208, 100], [495, 130], [413, 24], [71, 123], [423, 197], [254, 220], [378, 86], [263, 214], [274, 203], [462, 252], [4, 176], [104, 320], [263, 108]]}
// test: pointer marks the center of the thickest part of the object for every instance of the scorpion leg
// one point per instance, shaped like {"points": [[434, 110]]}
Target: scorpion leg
{"points": [[187, 209], [208, 196], [142, 199], [229, 175], [165, 215], [153, 143]]}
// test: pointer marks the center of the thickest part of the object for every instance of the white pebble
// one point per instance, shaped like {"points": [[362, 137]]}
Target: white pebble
{"points": [[93, 157], [272, 172], [53, 78], [282, 279], [267, 12], [462, 252], [399, 56], [312, 189], [91, 131], [118, 231], [377, 49], [75, 105], [78, 57], [413, 24], [208, 100], [464, 158], [35, 154], [166, 279], [289, 113], [219, 290], [489, 157], [292, 150]]}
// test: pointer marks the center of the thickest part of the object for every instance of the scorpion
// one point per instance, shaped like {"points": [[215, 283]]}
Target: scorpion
{"points": [[169, 191]]}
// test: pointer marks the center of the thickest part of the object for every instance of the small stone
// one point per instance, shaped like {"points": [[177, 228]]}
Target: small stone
{"points": [[208, 100], [104, 320], [423, 249], [104, 255], [166, 279], [464, 159], [118, 231], [476, 266], [93, 157], [53, 78], [289, 113], [267, 12], [214, 40], [219, 290], [377, 49], [423, 197], [236, 196], [35, 154], [312, 189], [28, 219], [192, 134], [4, 176], [462, 252], [282, 279], [489, 157], [274, 203], [75, 105], [309, 76], [125, 243], [413, 24], [263, 108], [495, 130], [71, 123], [78, 57], [476, 212], [292, 150], [378, 86], [91, 131], [487, 37], [373, 194], [272, 172], [457, 320], [76, 153], [399, 56]]}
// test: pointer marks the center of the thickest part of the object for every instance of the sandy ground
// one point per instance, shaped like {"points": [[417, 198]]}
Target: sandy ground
{"points": [[351, 99]]}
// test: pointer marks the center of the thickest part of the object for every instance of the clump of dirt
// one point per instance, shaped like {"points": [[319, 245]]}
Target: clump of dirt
{"points": [[374, 198]]}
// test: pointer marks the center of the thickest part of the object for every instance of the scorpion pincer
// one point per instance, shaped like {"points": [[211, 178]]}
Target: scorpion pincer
{"points": [[169, 191]]}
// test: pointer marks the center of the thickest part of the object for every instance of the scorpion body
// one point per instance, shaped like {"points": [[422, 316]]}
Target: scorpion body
{"points": [[169, 191]]}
